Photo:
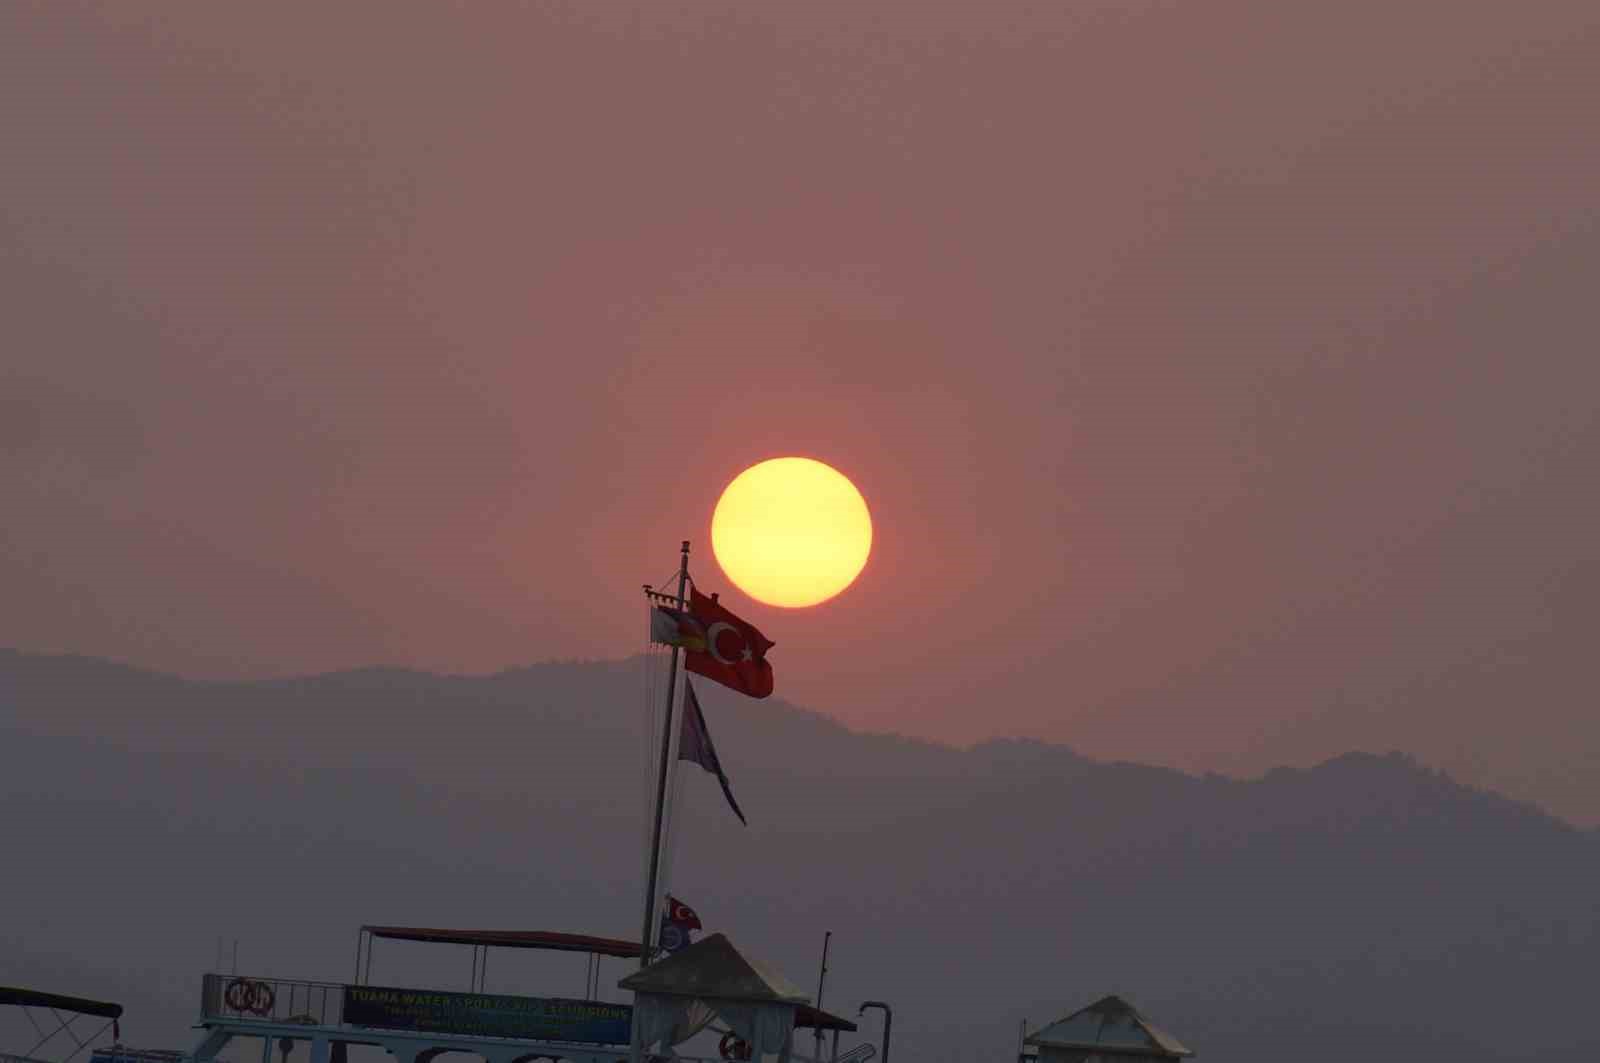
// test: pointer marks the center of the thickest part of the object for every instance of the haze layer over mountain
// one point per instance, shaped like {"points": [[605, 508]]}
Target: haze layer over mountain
{"points": [[1366, 908], [1220, 376]]}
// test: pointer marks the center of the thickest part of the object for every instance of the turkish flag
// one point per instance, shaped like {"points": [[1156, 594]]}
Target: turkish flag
{"points": [[682, 914], [735, 653]]}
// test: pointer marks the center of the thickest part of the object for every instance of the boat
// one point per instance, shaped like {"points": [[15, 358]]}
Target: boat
{"points": [[707, 988], [685, 992]]}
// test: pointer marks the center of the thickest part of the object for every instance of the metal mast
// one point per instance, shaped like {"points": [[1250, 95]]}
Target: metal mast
{"points": [[661, 777]]}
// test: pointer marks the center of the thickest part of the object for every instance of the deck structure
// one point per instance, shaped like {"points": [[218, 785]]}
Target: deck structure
{"points": [[283, 1012], [30, 1000], [418, 1025]]}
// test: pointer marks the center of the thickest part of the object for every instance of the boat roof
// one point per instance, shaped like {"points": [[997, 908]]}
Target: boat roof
{"points": [[1110, 1025], [713, 969], [511, 939], [807, 1017], [33, 998]]}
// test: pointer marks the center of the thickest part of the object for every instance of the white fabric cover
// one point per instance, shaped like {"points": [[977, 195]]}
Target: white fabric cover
{"points": [[667, 1020], [660, 1021], [767, 1028]]}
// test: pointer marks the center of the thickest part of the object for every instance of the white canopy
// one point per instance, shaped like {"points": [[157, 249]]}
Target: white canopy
{"points": [[1109, 1029], [677, 997]]}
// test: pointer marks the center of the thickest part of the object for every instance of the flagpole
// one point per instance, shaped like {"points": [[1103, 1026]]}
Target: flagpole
{"points": [[661, 778]]}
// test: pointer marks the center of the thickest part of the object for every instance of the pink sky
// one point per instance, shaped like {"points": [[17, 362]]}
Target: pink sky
{"points": [[1221, 376]]}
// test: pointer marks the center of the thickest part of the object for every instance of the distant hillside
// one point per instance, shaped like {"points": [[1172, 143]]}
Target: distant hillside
{"points": [[1367, 908]]}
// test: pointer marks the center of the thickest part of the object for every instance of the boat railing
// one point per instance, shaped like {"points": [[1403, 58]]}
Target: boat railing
{"points": [[282, 1000], [858, 1054], [7, 1057]]}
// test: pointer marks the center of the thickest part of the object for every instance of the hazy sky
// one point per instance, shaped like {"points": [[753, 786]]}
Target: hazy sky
{"points": [[1221, 375]]}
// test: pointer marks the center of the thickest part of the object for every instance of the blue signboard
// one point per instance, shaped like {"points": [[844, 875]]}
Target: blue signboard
{"points": [[488, 1015]]}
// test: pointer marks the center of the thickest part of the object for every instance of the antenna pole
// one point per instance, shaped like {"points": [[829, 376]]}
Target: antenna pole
{"points": [[661, 777], [822, 976]]}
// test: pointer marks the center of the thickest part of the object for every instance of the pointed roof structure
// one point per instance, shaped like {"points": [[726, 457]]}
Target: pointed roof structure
{"points": [[712, 968], [1108, 1031]]}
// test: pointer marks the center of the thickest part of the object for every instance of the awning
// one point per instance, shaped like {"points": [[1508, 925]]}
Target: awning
{"points": [[30, 998], [511, 939], [807, 1017]]}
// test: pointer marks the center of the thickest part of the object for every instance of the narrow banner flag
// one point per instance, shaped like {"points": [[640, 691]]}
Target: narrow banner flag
{"points": [[674, 627], [734, 652], [694, 745]]}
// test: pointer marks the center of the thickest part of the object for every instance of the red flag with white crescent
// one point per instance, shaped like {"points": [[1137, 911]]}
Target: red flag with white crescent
{"points": [[735, 653], [680, 919], [678, 912]]}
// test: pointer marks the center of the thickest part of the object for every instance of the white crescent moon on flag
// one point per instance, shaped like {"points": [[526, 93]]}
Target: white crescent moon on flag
{"points": [[713, 633]]}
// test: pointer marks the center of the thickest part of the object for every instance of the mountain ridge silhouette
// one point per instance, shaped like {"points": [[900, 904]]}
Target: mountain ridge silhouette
{"points": [[1368, 904]]}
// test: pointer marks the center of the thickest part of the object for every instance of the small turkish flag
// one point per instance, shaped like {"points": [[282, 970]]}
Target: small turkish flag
{"points": [[735, 653], [682, 914]]}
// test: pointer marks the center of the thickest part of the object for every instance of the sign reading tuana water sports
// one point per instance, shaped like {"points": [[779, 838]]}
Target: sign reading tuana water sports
{"points": [[488, 1014]]}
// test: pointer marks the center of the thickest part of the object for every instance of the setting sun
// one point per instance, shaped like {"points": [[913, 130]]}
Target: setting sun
{"points": [[791, 532]]}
